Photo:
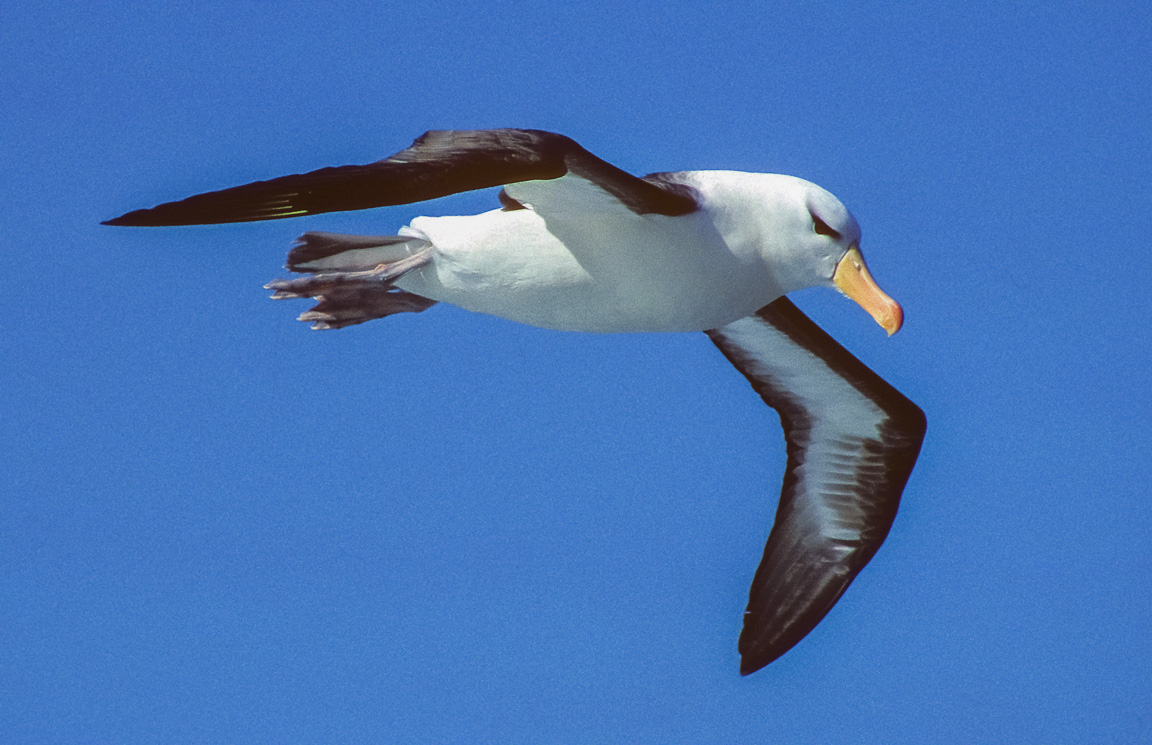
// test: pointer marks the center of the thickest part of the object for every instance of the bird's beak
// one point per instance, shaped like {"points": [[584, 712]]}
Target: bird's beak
{"points": [[853, 279]]}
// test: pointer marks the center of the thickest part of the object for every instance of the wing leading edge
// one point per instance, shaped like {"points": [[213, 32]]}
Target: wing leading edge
{"points": [[438, 163], [852, 440]]}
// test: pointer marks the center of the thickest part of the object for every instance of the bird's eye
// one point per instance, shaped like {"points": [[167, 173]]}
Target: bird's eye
{"points": [[824, 228]]}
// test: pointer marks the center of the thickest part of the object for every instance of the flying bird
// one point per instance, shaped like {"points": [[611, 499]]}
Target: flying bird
{"points": [[578, 244]]}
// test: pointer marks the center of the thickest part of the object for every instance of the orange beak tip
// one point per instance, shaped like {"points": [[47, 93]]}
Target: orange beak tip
{"points": [[853, 279], [895, 320]]}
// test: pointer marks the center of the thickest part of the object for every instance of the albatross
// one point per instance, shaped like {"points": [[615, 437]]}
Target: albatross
{"points": [[578, 244]]}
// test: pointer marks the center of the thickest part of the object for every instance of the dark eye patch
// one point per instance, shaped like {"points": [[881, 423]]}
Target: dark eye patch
{"points": [[823, 228]]}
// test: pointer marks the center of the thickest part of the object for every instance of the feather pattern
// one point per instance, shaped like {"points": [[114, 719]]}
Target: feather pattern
{"points": [[852, 441]]}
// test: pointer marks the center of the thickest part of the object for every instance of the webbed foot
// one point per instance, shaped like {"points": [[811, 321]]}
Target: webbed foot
{"points": [[349, 298]]}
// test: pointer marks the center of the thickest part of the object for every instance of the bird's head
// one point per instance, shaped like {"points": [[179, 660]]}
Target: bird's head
{"points": [[815, 242]]}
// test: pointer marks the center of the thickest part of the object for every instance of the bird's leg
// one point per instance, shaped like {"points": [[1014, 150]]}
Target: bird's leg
{"points": [[348, 298], [382, 277]]}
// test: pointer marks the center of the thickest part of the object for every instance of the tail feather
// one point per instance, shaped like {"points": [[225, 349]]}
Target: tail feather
{"points": [[325, 252]]}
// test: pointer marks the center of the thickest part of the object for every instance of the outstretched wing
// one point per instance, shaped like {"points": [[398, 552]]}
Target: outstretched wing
{"points": [[852, 442], [437, 164]]}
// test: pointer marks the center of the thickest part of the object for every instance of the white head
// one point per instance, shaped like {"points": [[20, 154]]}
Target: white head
{"points": [[806, 237]]}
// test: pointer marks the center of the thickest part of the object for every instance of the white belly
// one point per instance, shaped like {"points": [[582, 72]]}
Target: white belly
{"points": [[607, 273]]}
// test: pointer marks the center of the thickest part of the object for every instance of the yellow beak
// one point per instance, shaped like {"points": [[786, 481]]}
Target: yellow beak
{"points": [[853, 279]]}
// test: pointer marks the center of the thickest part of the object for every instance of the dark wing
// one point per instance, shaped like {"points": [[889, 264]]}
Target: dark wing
{"points": [[437, 164], [852, 441]]}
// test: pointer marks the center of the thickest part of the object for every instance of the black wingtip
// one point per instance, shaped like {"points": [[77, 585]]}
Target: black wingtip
{"points": [[750, 663], [146, 218], [122, 220]]}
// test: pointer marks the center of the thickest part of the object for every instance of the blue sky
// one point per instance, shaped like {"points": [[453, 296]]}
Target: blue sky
{"points": [[217, 525]]}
